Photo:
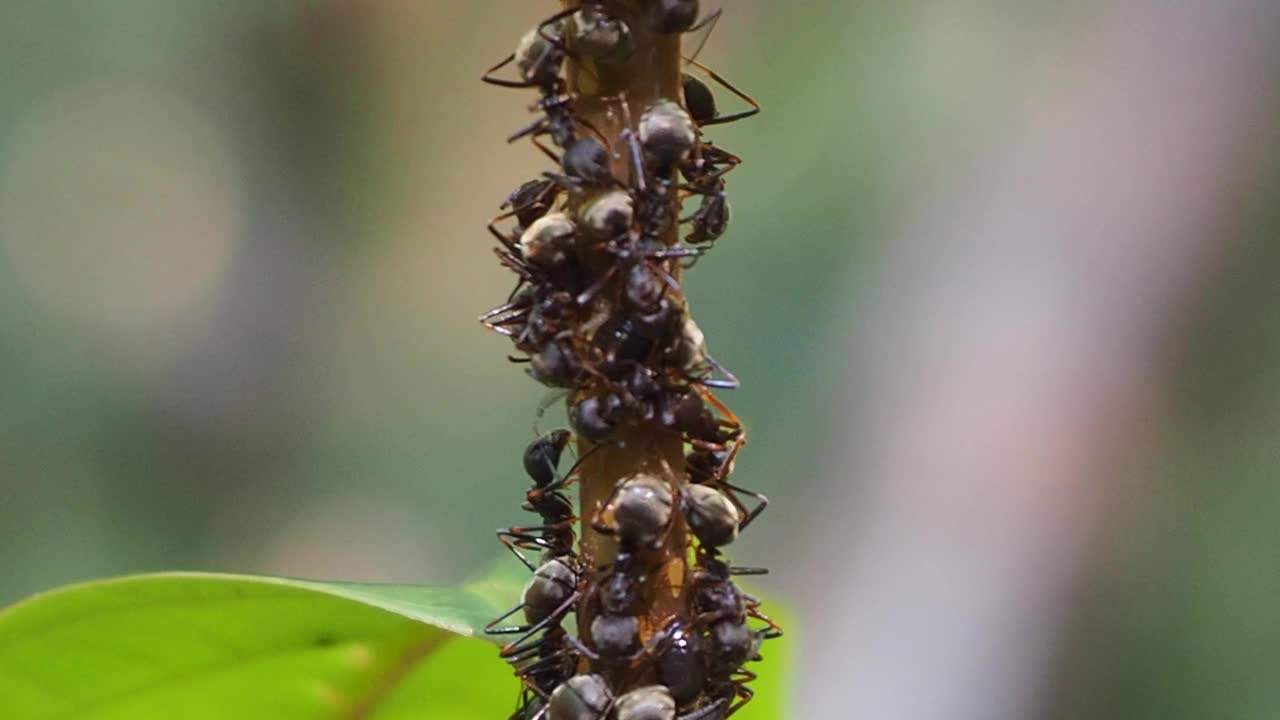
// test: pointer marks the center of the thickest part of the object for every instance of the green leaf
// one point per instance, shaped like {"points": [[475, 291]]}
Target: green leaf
{"points": [[195, 646]]}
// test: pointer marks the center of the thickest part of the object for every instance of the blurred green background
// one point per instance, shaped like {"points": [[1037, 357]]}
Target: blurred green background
{"points": [[242, 251]]}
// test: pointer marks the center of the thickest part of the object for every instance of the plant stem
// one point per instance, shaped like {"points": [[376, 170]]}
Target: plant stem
{"points": [[611, 98]]}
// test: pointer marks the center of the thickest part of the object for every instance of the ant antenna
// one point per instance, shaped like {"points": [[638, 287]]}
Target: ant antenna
{"points": [[630, 138], [709, 22], [543, 404]]}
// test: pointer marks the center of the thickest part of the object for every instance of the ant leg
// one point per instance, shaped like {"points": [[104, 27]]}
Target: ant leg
{"points": [[536, 667], [774, 631], [553, 19], [515, 264], [492, 629], [586, 296], [726, 468], [755, 106], [667, 278], [540, 199], [705, 712], [719, 478], [728, 415], [537, 127], [715, 156], [488, 75], [555, 617], [522, 705], [566, 480], [503, 328], [506, 313], [524, 539], [553, 42], [543, 148], [593, 129], [583, 649], [516, 290], [728, 381], [708, 22], [499, 318], [523, 532], [762, 503], [507, 242], [744, 695], [524, 650], [522, 708], [673, 253], [637, 163], [566, 182], [525, 654], [511, 542], [657, 639]]}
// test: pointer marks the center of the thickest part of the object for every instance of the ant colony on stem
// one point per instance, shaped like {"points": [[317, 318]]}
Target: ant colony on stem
{"points": [[598, 244]]}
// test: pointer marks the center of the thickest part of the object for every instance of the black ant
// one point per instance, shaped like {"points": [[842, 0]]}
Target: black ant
{"points": [[615, 629], [555, 536], [704, 172], [701, 103], [687, 354], [548, 598], [545, 260], [556, 584], [721, 611], [638, 512], [710, 502], [540, 58]]}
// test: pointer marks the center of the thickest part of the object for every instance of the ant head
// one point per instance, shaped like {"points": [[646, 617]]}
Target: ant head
{"points": [[581, 697], [698, 99], [542, 456], [641, 510], [609, 215], [539, 55], [675, 16], [601, 36], [667, 134], [712, 517]]}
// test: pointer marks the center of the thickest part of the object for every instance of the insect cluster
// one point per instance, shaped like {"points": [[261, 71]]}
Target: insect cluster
{"points": [[598, 244]]}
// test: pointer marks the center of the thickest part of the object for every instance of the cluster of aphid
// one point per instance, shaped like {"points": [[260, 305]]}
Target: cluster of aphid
{"points": [[598, 312]]}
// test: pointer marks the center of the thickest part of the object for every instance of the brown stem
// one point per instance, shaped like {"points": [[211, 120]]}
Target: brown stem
{"points": [[611, 99]]}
